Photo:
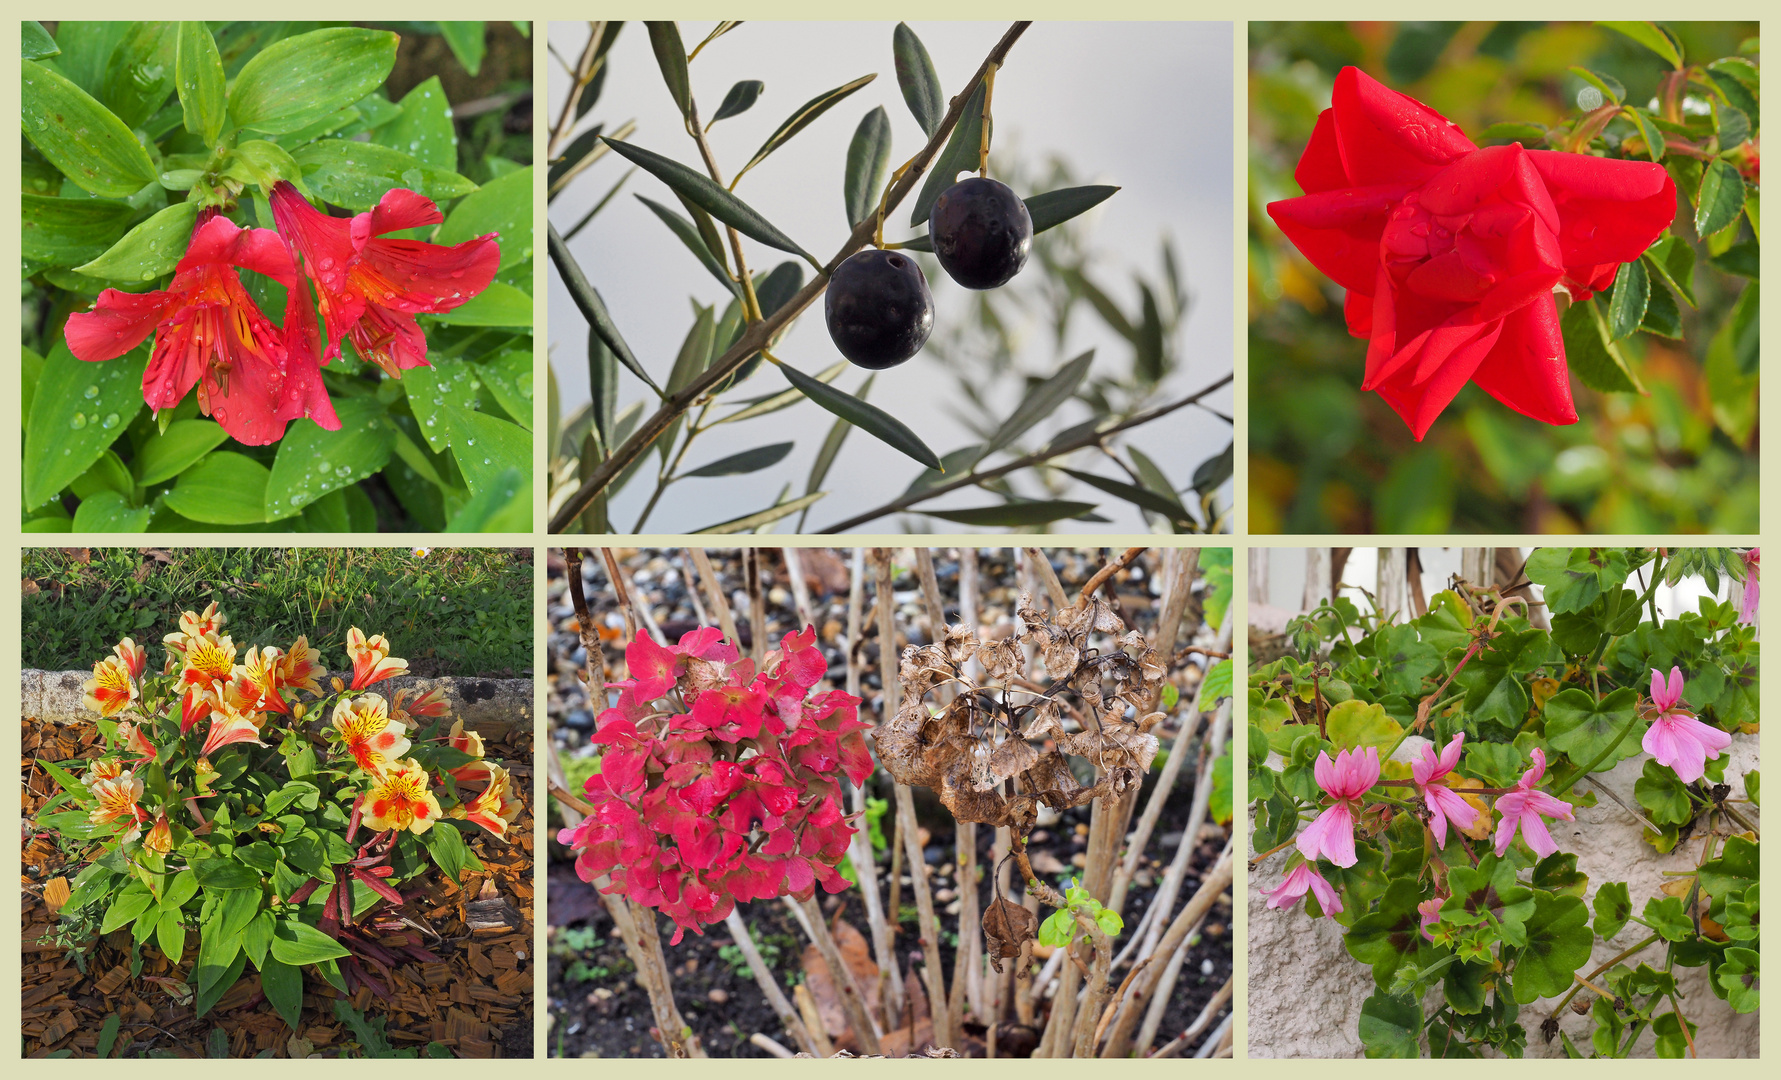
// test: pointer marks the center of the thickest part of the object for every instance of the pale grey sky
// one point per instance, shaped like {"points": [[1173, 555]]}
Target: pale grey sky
{"points": [[1146, 106]]}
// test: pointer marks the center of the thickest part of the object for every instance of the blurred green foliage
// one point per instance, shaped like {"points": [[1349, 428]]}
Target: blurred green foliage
{"points": [[1326, 457]]}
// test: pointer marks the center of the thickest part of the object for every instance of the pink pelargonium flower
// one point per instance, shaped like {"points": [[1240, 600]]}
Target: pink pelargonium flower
{"points": [[1431, 914], [1523, 808], [1675, 738], [1304, 878], [251, 376], [1350, 776], [369, 288], [1752, 586], [1443, 802]]}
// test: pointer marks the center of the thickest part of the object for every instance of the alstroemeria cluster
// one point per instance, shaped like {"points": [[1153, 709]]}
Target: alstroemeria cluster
{"points": [[718, 782], [253, 376]]}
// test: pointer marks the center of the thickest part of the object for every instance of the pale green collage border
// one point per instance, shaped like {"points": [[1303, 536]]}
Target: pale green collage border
{"points": [[541, 13]]}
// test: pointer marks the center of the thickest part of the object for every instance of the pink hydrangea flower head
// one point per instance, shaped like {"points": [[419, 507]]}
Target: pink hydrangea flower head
{"points": [[1351, 775], [1302, 879], [1675, 738], [1443, 802], [1525, 807]]}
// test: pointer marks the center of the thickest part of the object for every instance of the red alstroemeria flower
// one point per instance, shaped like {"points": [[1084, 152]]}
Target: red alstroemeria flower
{"points": [[1450, 254], [371, 289], [209, 665], [254, 685], [251, 377], [131, 738]]}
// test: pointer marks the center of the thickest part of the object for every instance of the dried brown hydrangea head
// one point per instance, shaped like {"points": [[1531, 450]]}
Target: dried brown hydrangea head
{"points": [[1088, 695]]}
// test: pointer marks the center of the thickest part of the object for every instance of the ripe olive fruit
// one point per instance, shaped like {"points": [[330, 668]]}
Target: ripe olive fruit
{"points": [[879, 309], [981, 232]]}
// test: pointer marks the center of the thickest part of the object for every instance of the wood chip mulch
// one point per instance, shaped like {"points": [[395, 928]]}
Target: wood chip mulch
{"points": [[477, 1000]]}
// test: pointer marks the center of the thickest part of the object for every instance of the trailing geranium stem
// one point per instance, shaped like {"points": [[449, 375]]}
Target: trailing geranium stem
{"points": [[1636, 949]]}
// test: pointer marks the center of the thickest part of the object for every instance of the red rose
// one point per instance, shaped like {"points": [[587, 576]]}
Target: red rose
{"points": [[1450, 254]]}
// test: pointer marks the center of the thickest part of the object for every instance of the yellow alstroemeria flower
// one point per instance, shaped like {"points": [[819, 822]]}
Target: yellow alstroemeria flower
{"points": [[103, 769], [117, 801], [254, 683], [132, 656], [209, 662], [160, 835], [194, 625], [399, 799], [471, 772], [371, 659], [495, 807], [367, 732], [110, 689], [131, 738], [431, 703], [301, 667], [228, 727]]}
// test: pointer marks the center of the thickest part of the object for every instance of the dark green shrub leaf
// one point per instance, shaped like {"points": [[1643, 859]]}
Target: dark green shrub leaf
{"points": [[1721, 198], [1595, 360], [297, 81], [1626, 306]]}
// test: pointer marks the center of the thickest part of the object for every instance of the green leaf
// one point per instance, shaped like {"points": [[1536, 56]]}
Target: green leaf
{"points": [[1666, 916], [509, 378], [109, 511], [283, 985], [1558, 943], [688, 234], [1217, 684], [312, 461], [1738, 868], [961, 154], [664, 40], [751, 522], [1673, 260], [68, 428], [424, 130], [1041, 401], [1144, 498], [1572, 578], [1053, 208], [356, 175], [168, 453], [226, 975], [1664, 797], [739, 100], [225, 874], [131, 902], [1607, 84], [1743, 259], [498, 304], [468, 42], [36, 44], [446, 845], [868, 160], [1354, 724], [720, 204], [803, 117], [1732, 125], [1594, 359], [297, 81], [66, 232], [1650, 132], [1648, 35], [1732, 358], [868, 418], [81, 137], [831, 444], [150, 249], [486, 446], [1626, 305], [917, 79], [1583, 727], [297, 943], [593, 308], [200, 82], [1493, 679], [1662, 316], [502, 206], [1390, 1025], [1014, 514], [1721, 198], [1612, 908], [140, 73], [761, 457], [1404, 660]]}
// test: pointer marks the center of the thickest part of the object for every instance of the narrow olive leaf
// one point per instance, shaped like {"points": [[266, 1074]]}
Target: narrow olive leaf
{"points": [[960, 154], [1648, 131], [1155, 479], [772, 403], [35, 42], [916, 76], [719, 203], [765, 517], [1626, 306], [1722, 197], [747, 461], [778, 287], [868, 418], [1048, 210], [688, 234], [717, 31], [868, 159], [802, 119], [1648, 35], [739, 100], [200, 82], [1151, 357], [1213, 472], [664, 38], [1137, 496], [714, 240], [831, 444], [593, 309], [579, 147], [81, 137], [149, 250], [602, 374], [1041, 401], [1015, 513]]}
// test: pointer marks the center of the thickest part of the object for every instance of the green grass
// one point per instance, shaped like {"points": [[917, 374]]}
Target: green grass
{"points": [[456, 611]]}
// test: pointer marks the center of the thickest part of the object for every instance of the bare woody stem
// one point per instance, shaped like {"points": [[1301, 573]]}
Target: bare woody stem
{"points": [[581, 76], [1069, 446], [760, 334]]}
